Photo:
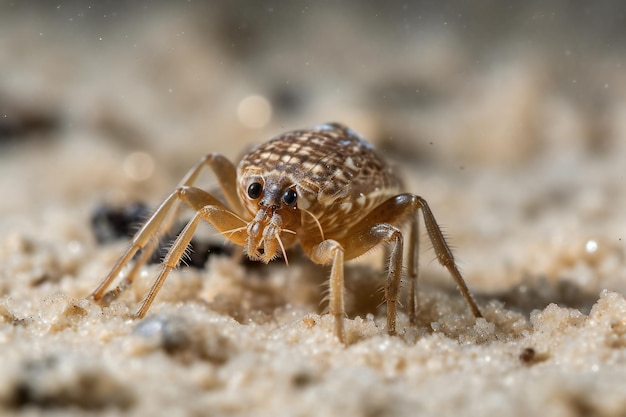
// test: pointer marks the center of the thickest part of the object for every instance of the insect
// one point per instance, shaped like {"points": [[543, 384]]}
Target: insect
{"points": [[325, 188]]}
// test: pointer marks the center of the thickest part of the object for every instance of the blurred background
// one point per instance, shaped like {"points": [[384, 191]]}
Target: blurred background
{"points": [[507, 116]]}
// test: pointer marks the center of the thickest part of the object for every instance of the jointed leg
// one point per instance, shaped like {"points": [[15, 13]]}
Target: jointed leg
{"points": [[170, 262], [359, 237], [194, 197], [380, 227], [226, 175], [161, 221], [330, 252], [394, 211], [368, 234], [222, 218]]}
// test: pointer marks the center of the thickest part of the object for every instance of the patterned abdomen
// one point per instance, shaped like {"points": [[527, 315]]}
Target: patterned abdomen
{"points": [[337, 173]]}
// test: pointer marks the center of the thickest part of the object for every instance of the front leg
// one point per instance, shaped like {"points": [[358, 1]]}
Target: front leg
{"points": [[225, 221], [161, 221], [228, 223], [358, 241], [331, 252]]}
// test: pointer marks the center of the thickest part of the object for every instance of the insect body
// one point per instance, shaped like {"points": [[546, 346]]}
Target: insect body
{"points": [[325, 188]]}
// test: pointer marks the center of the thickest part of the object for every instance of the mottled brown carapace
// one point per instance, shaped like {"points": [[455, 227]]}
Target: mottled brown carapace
{"points": [[325, 188], [337, 176]]}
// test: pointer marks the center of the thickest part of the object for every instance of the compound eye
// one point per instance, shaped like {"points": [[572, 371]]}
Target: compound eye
{"points": [[290, 197], [254, 190]]}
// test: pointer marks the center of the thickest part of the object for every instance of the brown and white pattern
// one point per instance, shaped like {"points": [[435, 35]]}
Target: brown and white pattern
{"points": [[336, 172]]}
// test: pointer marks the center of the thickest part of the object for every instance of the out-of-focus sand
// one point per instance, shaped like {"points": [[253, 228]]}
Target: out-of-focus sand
{"points": [[509, 121]]}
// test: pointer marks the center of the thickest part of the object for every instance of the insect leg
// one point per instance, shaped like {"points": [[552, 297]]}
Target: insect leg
{"points": [[369, 233], [226, 175], [219, 216], [412, 269], [162, 220], [360, 239], [444, 254], [331, 252], [140, 241], [194, 197], [380, 226], [395, 211]]}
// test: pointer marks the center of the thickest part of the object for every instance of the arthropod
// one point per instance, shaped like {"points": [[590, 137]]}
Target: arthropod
{"points": [[325, 188]]}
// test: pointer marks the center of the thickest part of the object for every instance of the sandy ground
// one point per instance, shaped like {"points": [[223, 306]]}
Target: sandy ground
{"points": [[509, 120]]}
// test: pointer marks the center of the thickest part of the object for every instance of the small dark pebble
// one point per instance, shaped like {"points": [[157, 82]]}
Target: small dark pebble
{"points": [[527, 354], [170, 333], [302, 379], [111, 223], [530, 356], [185, 339]]}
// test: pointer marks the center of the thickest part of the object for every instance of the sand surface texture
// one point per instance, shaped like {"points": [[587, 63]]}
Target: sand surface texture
{"points": [[510, 121]]}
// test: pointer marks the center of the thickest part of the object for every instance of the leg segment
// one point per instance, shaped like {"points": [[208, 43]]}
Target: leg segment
{"points": [[226, 175], [330, 252], [162, 219], [412, 269], [444, 254], [140, 241]]}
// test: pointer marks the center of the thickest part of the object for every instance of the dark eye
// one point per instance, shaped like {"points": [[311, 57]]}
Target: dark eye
{"points": [[255, 189], [290, 197]]}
